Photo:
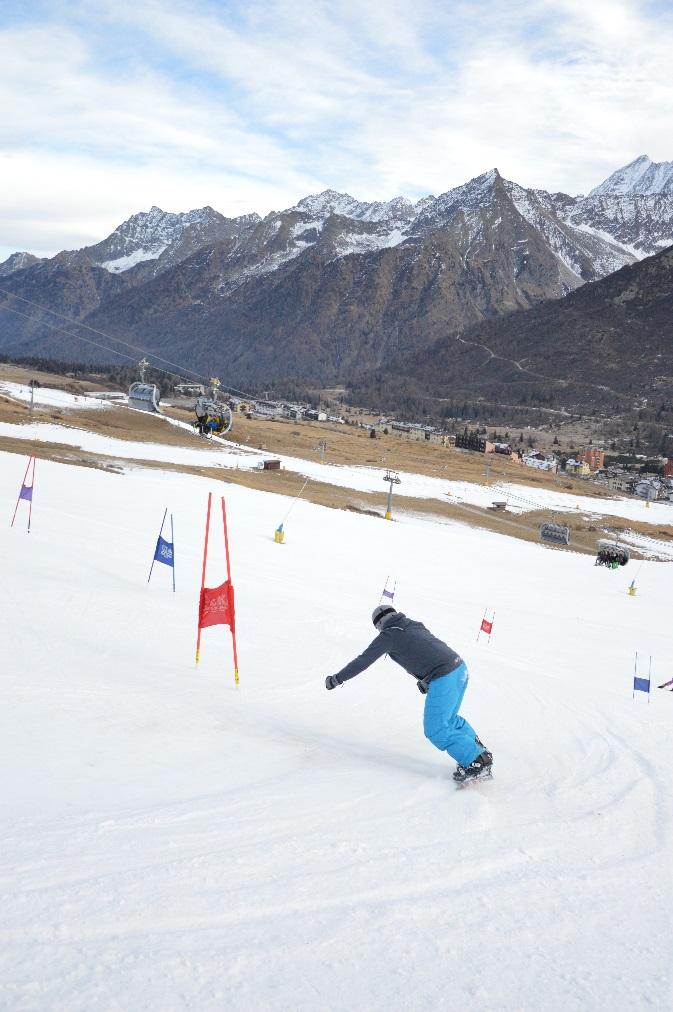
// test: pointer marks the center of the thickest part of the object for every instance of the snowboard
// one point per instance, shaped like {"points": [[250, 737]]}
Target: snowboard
{"points": [[485, 776]]}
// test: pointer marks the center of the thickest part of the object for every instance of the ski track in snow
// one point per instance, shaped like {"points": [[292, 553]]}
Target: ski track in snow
{"points": [[169, 842]]}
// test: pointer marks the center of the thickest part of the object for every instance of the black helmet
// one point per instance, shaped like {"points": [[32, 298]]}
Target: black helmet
{"points": [[379, 611]]}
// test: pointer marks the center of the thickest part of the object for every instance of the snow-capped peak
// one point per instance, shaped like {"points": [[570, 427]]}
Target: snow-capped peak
{"points": [[641, 176], [476, 193], [321, 205], [146, 235], [326, 203], [16, 262]]}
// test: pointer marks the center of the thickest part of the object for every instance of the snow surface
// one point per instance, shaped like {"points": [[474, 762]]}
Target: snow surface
{"points": [[47, 397], [642, 175], [169, 842], [356, 242], [599, 233], [138, 256]]}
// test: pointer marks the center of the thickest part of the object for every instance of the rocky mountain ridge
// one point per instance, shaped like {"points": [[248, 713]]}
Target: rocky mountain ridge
{"points": [[334, 285], [630, 213]]}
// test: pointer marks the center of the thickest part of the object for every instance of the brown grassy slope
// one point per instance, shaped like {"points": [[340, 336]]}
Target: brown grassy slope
{"points": [[346, 445]]}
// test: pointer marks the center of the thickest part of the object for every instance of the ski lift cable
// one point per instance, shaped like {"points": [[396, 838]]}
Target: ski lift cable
{"points": [[100, 333], [295, 501], [182, 370], [86, 340], [62, 330]]}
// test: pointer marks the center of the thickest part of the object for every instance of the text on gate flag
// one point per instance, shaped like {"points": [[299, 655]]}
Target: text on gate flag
{"points": [[216, 605], [164, 551]]}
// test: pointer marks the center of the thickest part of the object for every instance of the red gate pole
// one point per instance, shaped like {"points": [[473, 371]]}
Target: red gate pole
{"points": [[482, 625], [231, 592], [203, 581], [18, 498]]}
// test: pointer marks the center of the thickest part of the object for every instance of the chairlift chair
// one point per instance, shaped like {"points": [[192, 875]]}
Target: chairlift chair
{"points": [[144, 396], [555, 534], [212, 417], [609, 552]]}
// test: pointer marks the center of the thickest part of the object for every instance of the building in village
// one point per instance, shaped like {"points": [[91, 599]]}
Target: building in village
{"points": [[579, 467], [648, 488], [594, 457], [540, 461]]}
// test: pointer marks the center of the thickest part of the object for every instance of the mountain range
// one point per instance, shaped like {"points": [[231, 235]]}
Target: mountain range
{"points": [[332, 286]]}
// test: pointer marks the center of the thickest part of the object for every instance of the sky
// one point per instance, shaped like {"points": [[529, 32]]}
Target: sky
{"points": [[109, 108]]}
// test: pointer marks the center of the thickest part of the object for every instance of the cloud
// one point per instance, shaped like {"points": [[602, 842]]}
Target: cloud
{"points": [[249, 107]]}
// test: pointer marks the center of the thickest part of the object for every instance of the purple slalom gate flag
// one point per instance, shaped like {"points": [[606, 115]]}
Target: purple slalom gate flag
{"points": [[26, 493]]}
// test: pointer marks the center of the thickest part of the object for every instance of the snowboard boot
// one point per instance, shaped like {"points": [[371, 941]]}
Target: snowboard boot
{"points": [[479, 767]]}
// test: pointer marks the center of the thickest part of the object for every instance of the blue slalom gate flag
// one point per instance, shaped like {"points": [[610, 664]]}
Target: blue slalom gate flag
{"points": [[164, 551], [641, 684], [26, 493]]}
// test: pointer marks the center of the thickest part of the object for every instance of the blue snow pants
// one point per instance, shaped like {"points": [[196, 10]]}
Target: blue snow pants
{"points": [[441, 723]]}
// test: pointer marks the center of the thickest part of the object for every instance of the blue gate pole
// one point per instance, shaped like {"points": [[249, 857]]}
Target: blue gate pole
{"points": [[155, 547], [173, 544]]}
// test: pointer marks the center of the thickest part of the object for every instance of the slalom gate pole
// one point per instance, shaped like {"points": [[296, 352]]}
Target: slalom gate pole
{"points": [[635, 674], [233, 617], [203, 579], [173, 544], [481, 624], [32, 489], [160, 533], [18, 498]]}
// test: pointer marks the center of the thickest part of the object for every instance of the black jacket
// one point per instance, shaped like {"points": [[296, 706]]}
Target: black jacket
{"points": [[411, 645]]}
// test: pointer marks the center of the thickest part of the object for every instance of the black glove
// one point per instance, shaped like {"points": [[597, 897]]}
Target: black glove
{"points": [[422, 685], [332, 681]]}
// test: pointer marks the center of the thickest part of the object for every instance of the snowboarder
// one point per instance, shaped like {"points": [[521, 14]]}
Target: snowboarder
{"points": [[441, 675]]}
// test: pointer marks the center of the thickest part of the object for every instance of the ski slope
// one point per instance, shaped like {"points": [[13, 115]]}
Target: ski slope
{"points": [[169, 842], [48, 397]]}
